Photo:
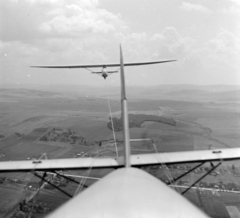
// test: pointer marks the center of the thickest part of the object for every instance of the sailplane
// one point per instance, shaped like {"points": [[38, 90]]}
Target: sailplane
{"points": [[104, 72]]}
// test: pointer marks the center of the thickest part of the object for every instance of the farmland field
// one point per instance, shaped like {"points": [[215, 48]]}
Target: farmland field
{"points": [[9, 196], [200, 125]]}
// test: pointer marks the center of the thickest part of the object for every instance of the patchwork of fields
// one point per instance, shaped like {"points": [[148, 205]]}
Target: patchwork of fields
{"points": [[24, 121]]}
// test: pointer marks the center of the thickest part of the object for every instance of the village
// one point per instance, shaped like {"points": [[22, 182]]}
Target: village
{"points": [[65, 136]]}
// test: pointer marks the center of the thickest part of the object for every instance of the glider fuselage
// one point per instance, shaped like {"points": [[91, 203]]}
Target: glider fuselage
{"points": [[104, 72]]}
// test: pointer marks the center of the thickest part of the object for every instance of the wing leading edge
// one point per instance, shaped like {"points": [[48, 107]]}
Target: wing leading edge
{"points": [[106, 65], [135, 160]]}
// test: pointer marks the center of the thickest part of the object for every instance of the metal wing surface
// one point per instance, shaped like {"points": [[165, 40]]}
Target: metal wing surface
{"points": [[136, 160], [105, 65]]}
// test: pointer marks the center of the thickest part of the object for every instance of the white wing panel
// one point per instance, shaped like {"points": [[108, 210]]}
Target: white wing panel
{"points": [[137, 160], [70, 163], [186, 156]]}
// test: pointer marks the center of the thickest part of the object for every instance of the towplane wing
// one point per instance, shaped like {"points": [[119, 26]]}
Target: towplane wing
{"points": [[118, 162]]}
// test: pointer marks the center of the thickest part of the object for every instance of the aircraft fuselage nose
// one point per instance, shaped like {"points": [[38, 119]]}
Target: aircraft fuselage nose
{"points": [[104, 76]]}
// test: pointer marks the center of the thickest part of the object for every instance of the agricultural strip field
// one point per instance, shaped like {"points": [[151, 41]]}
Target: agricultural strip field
{"points": [[9, 196]]}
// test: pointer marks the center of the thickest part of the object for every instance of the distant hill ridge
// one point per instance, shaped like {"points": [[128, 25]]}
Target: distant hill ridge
{"points": [[27, 92], [187, 92], [159, 91]]}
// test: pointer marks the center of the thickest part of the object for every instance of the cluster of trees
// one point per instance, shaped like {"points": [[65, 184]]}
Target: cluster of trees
{"points": [[118, 124], [135, 120]]}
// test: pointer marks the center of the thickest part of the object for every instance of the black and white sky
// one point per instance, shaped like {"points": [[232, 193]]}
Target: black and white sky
{"points": [[203, 35]]}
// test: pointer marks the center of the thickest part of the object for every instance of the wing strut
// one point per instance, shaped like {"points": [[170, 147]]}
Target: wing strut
{"points": [[124, 113], [184, 174], [202, 177], [52, 184]]}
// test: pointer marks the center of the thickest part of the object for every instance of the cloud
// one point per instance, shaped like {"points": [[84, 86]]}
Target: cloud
{"points": [[218, 57], [61, 32], [166, 44], [35, 19], [230, 7], [233, 7], [224, 49], [194, 7], [136, 45], [79, 18], [64, 31], [55, 2], [171, 43], [78, 24], [17, 49], [230, 10], [236, 2]]}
